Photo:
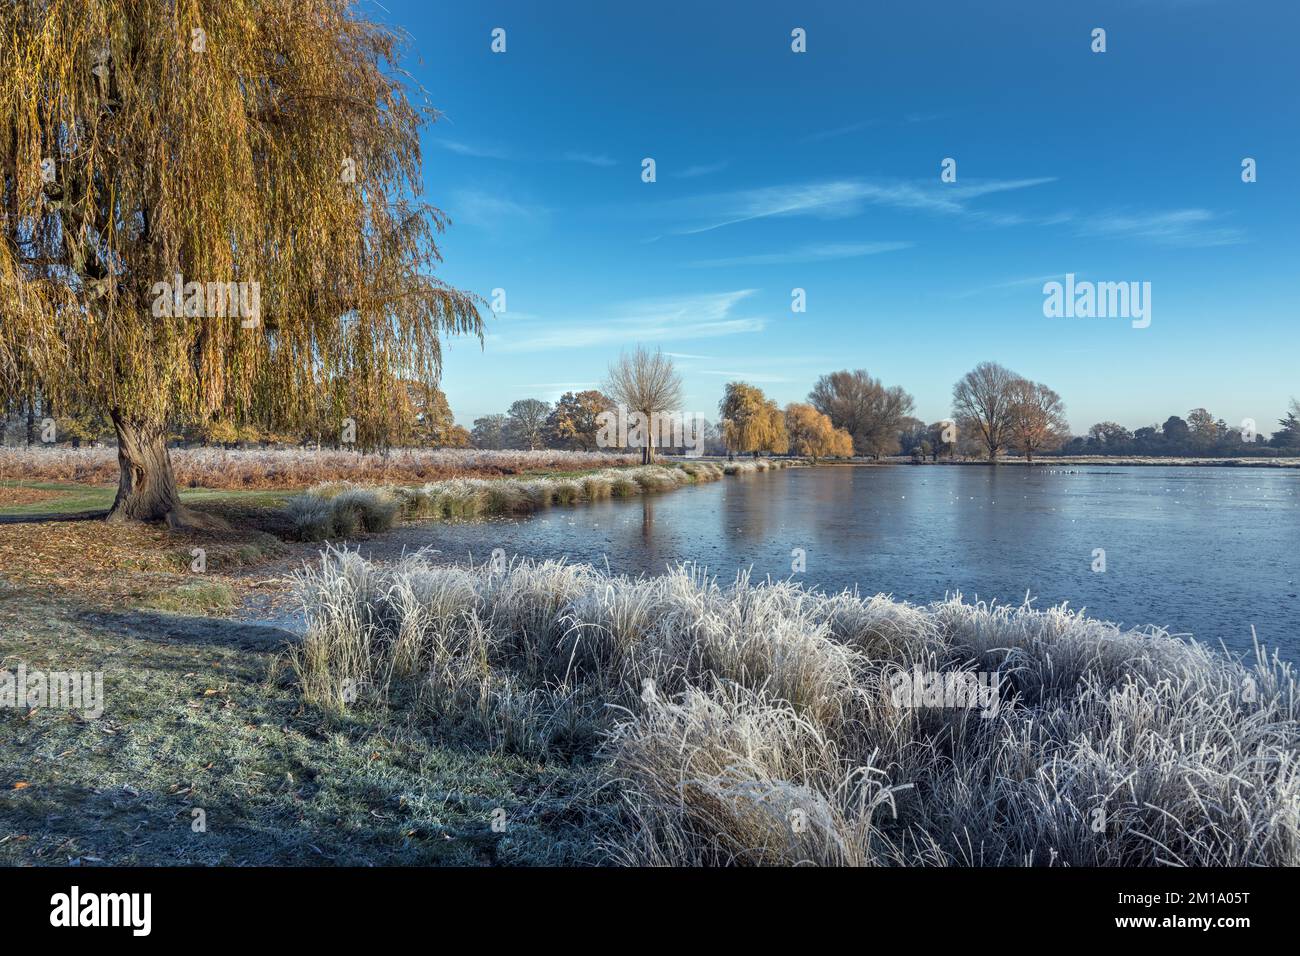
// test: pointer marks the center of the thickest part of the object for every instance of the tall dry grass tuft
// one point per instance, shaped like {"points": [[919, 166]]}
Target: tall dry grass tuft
{"points": [[334, 511], [758, 723], [735, 777]]}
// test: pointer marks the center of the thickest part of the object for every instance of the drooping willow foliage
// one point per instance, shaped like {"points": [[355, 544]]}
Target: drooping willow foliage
{"points": [[221, 141]]}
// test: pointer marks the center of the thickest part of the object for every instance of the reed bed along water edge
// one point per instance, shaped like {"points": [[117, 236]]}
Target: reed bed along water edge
{"points": [[338, 510], [764, 723]]}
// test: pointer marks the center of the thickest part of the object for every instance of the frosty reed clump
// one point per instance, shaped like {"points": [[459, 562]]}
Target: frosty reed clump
{"points": [[340, 511], [750, 465], [758, 723]]}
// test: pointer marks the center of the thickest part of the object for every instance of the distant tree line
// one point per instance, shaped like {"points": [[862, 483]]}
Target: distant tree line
{"points": [[530, 423], [26, 421], [995, 412], [1200, 434]]}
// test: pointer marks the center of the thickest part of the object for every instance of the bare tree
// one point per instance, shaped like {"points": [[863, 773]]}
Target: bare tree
{"points": [[648, 383], [863, 407], [983, 399], [1037, 418], [489, 432], [526, 423]]}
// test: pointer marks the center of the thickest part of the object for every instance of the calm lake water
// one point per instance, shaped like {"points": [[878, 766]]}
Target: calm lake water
{"points": [[1202, 551]]}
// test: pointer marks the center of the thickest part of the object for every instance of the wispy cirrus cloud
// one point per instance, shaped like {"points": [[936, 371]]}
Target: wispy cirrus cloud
{"points": [[702, 169], [494, 212], [835, 199], [822, 135], [559, 386], [760, 378], [1012, 284], [590, 159], [480, 151], [835, 132], [679, 318], [845, 198], [820, 252], [1183, 228], [469, 149]]}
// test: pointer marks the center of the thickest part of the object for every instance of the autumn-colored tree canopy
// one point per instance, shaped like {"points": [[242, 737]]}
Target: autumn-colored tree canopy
{"points": [[431, 420], [1036, 418], [573, 422], [210, 211], [751, 422], [813, 435]]}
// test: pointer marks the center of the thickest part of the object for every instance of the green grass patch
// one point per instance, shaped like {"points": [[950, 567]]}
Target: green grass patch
{"points": [[579, 473], [74, 498], [200, 597], [68, 498]]}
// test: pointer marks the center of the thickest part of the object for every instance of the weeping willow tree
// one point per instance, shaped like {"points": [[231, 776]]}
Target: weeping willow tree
{"points": [[211, 211]]}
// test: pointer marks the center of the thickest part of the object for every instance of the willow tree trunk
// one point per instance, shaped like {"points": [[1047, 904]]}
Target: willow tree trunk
{"points": [[146, 489]]}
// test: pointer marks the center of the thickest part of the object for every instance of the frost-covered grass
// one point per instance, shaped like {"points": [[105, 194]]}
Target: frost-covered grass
{"points": [[747, 466], [296, 467], [756, 723], [334, 511], [478, 497], [340, 509], [197, 714]]}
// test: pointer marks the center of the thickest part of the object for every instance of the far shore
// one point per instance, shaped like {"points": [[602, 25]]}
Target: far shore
{"points": [[1103, 460]]}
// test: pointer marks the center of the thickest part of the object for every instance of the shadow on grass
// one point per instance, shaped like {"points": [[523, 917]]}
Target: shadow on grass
{"points": [[195, 720], [88, 820], [158, 626], [45, 517]]}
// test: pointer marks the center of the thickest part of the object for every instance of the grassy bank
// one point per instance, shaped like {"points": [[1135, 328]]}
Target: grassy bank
{"points": [[56, 498], [761, 723], [295, 467], [193, 722], [338, 510], [53, 552]]}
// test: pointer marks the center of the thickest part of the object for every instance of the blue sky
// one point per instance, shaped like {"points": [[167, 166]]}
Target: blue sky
{"points": [[821, 171]]}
